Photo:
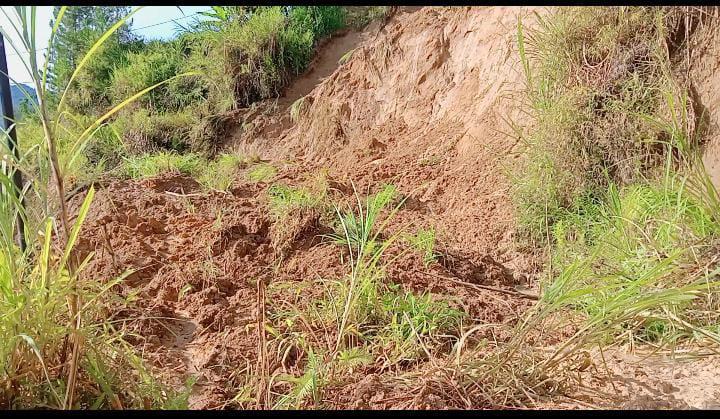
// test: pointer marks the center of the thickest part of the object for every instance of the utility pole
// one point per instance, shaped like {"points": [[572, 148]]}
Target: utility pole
{"points": [[8, 120]]}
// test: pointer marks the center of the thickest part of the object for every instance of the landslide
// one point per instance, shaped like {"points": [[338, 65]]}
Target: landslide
{"points": [[421, 103], [425, 105]]}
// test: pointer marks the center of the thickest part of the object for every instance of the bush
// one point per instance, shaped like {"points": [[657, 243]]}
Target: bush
{"points": [[146, 132], [596, 79], [320, 21], [90, 93], [157, 62], [259, 55]]}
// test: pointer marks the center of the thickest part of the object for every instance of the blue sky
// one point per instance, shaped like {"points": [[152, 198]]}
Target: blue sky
{"points": [[147, 16]]}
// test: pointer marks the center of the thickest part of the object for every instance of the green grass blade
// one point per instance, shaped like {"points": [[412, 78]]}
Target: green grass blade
{"points": [[54, 30], [78, 224]]}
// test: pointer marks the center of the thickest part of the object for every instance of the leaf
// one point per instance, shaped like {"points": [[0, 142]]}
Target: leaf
{"points": [[31, 343], [54, 30], [78, 223]]}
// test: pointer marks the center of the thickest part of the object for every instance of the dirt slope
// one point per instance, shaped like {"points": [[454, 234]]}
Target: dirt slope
{"points": [[704, 68], [422, 104]]}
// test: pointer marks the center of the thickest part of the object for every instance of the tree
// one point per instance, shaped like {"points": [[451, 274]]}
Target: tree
{"points": [[78, 30]]}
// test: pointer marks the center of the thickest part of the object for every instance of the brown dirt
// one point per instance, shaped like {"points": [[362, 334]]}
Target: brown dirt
{"points": [[705, 89], [424, 107]]}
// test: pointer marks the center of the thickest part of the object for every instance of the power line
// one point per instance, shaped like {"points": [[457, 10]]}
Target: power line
{"points": [[133, 30]]}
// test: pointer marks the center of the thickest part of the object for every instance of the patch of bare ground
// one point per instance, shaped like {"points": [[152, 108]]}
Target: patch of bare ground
{"points": [[422, 106]]}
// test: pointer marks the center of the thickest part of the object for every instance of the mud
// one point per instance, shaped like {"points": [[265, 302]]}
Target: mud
{"points": [[423, 105]]}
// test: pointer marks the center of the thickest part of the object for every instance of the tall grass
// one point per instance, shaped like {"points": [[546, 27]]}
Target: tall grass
{"points": [[630, 246], [592, 75], [54, 333]]}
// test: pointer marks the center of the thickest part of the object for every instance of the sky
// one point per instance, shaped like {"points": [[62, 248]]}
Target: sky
{"points": [[157, 17]]}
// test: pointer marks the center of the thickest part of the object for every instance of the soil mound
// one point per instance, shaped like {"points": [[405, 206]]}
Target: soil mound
{"points": [[422, 103]]}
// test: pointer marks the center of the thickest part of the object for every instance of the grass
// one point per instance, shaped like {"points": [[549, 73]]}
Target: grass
{"points": [[220, 173], [296, 108], [593, 77], [217, 174], [356, 229], [284, 199], [424, 242], [375, 320], [296, 211], [346, 57], [613, 189], [262, 172], [151, 165], [416, 324], [58, 348]]}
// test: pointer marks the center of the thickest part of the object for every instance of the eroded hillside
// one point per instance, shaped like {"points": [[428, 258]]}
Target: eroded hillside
{"points": [[283, 291]]}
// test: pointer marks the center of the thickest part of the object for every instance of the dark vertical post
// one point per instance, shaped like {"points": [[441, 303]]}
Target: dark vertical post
{"points": [[8, 119]]}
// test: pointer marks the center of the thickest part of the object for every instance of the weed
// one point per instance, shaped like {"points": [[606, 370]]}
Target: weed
{"points": [[145, 132], [296, 108], [359, 17], [54, 330], [346, 57], [424, 242], [414, 322], [296, 210], [284, 199], [220, 173], [309, 384], [153, 164], [593, 75], [261, 172], [356, 229], [351, 358]]}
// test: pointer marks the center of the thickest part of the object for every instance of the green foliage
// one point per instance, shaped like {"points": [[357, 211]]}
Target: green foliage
{"points": [[415, 321], [149, 165], [284, 199], [356, 230], [614, 183], [309, 384], [360, 16], [594, 75], [220, 173], [78, 30], [156, 62], [296, 108], [424, 242], [144, 131], [321, 21], [261, 172], [633, 270], [222, 15], [255, 57]]}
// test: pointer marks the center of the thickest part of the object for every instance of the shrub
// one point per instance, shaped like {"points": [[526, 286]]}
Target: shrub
{"points": [[157, 62], [595, 78], [144, 131]]}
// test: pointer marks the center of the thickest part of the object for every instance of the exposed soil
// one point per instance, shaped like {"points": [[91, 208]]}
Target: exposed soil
{"points": [[423, 106], [703, 69]]}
